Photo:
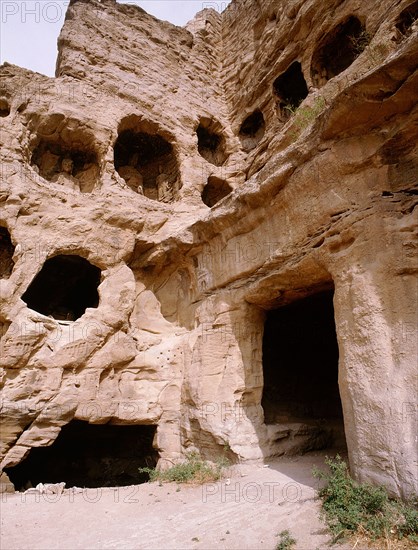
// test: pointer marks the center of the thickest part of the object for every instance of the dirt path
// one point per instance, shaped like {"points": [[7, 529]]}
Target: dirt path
{"points": [[245, 511]]}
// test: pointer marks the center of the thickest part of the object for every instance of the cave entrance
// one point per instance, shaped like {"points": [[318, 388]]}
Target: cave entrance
{"points": [[4, 108], [64, 288], [338, 50], [215, 190], [300, 366], [291, 89], [7, 250], [407, 20], [148, 164], [64, 151], [211, 141], [252, 130], [89, 455]]}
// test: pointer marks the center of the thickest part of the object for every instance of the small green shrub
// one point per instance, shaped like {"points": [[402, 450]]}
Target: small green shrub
{"points": [[286, 542], [409, 526], [350, 507], [304, 116], [192, 470]]}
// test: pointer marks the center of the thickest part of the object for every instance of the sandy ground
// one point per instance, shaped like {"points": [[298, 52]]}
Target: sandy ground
{"points": [[245, 511]]}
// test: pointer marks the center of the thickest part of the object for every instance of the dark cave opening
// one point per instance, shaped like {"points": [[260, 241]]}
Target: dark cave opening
{"points": [[215, 190], [252, 130], [338, 50], [4, 108], [407, 19], [291, 89], [300, 367], [210, 142], [64, 288], [148, 164], [89, 455], [74, 166], [7, 250]]}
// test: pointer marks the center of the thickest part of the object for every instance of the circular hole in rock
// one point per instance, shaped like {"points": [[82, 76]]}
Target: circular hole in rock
{"points": [[64, 288], [215, 190], [6, 253], [338, 49], [147, 162], [406, 22], [4, 108], [65, 153], [290, 89], [211, 142], [252, 130]]}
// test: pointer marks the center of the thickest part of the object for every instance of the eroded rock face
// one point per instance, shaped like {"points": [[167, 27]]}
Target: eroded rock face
{"points": [[208, 175]]}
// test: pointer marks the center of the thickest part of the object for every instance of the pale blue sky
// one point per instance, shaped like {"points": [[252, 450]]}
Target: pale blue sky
{"points": [[29, 28]]}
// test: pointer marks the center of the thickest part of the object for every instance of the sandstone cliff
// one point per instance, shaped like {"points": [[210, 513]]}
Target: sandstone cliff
{"points": [[171, 187]]}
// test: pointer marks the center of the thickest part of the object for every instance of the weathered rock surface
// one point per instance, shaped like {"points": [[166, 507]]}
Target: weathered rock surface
{"points": [[322, 197]]}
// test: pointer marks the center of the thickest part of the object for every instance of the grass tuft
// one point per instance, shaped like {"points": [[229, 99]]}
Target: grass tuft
{"points": [[192, 470], [304, 116], [286, 542]]}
